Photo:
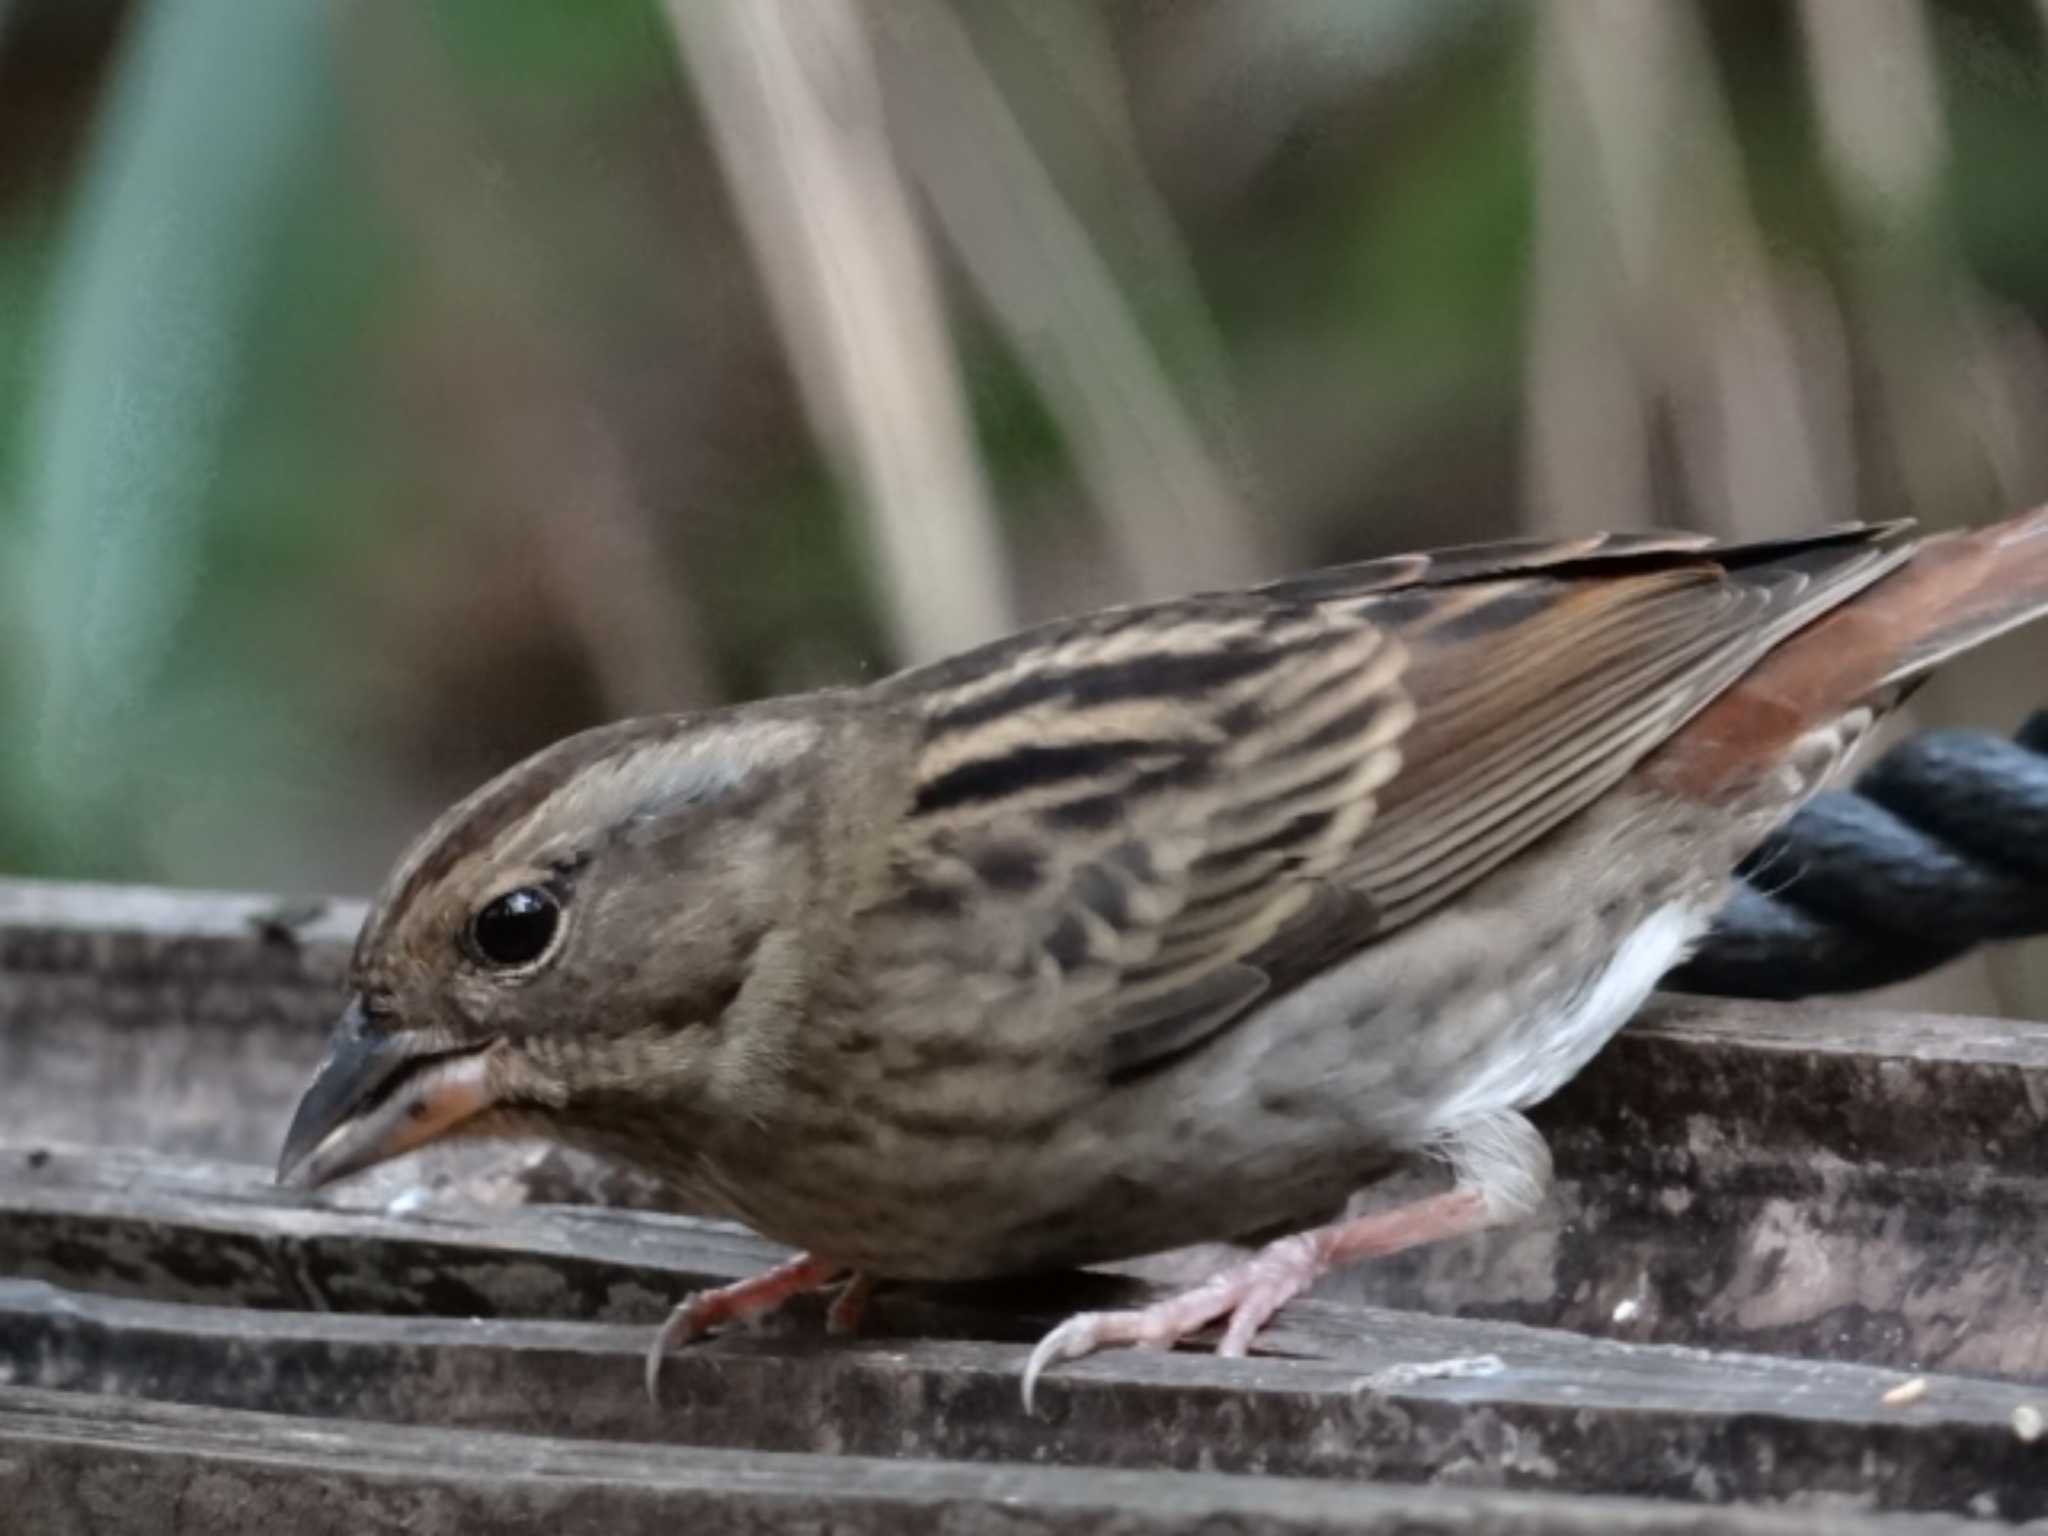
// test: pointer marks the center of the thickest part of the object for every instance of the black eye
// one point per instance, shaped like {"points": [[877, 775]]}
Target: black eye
{"points": [[517, 927]]}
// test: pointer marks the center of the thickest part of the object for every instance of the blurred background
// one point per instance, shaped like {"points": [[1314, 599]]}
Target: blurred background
{"points": [[389, 388]]}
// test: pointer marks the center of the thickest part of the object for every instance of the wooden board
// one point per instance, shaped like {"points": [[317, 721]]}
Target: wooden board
{"points": [[464, 1323], [134, 1469], [1849, 1196], [1818, 1180]]}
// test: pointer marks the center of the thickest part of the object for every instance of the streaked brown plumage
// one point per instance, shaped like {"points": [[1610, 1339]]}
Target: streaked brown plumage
{"points": [[1162, 925]]}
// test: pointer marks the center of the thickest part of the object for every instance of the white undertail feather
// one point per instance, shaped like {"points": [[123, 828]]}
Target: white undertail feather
{"points": [[1504, 1157], [1480, 1130], [1513, 1080]]}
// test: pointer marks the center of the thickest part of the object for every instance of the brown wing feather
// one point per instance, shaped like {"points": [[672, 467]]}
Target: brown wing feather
{"points": [[1153, 817], [1960, 590], [1539, 692], [1113, 814]]}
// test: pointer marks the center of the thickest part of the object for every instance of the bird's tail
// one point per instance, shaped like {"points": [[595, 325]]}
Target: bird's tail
{"points": [[1960, 590], [1955, 591]]}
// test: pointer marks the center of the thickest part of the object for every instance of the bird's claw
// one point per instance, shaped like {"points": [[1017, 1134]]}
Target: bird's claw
{"points": [[1157, 1327], [849, 1306], [747, 1301], [685, 1323], [1069, 1341], [1248, 1294]]}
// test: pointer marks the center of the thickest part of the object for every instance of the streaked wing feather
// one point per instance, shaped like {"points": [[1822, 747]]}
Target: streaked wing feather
{"points": [[1153, 817], [1592, 675], [1179, 780]]}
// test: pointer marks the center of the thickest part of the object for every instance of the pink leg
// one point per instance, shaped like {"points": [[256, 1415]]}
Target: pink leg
{"points": [[742, 1302], [1251, 1292]]}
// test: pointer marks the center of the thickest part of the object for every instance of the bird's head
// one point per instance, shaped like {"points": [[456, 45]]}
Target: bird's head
{"points": [[609, 922]]}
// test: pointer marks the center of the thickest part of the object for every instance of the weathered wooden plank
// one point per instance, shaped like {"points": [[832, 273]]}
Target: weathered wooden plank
{"points": [[72, 1463], [1355, 1394], [180, 1018], [59, 925], [133, 1223], [1821, 1180], [1825, 1181]]}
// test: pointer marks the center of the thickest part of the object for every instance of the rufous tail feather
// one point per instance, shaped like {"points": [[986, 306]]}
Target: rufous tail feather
{"points": [[1956, 591]]}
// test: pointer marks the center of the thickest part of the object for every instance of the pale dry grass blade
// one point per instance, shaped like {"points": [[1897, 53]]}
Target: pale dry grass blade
{"points": [[1070, 84], [1232, 82], [790, 94], [1959, 379], [1960, 382], [1173, 517], [1743, 355], [1586, 447], [1878, 101]]}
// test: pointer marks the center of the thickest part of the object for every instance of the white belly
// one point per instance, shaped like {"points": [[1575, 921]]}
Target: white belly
{"points": [[1533, 1063]]}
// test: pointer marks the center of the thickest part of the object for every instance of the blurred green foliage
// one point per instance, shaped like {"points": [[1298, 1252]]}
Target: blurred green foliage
{"points": [[502, 220]]}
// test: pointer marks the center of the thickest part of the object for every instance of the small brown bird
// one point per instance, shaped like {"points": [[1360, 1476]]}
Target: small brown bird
{"points": [[1169, 924]]}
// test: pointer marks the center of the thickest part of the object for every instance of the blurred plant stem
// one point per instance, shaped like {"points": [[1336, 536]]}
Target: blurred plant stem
{"points": [[1057, 67], [208, 122], [1741, 358], [542, 448], [1958, 383], [789, 92], [1952, 388], [1587, 439], [1172, 514]]}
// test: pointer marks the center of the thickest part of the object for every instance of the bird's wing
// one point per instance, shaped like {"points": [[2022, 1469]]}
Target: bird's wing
{"points": [[1154, 816], [1540, 687], [1120, 811]]}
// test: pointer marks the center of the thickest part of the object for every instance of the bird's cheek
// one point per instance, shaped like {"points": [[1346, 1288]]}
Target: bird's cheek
{"points": [[528, 1075], [475, 1003]]}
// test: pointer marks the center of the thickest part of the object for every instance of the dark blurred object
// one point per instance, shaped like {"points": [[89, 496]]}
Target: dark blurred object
{"points": [[53, 65], [1942, 846]]}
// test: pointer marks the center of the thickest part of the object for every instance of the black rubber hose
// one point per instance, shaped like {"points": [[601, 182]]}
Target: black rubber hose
{"points": [[1941, 846]]}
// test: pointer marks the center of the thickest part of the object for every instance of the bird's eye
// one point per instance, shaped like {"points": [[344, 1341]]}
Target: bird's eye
{"points": [[517, 927]]}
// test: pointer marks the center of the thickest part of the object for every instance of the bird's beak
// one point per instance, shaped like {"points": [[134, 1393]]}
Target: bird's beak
{"points": [[376, 1095]]}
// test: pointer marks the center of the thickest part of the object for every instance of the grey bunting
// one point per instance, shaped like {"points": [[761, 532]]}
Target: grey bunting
{"points": [[1169, 924]]}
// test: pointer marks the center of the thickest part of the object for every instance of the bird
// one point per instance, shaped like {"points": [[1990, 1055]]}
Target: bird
{"points": [[1170, 924]]}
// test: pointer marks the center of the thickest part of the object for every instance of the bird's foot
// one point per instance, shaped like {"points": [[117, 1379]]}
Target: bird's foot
{"points": [[749, 1300], [1249, 1293]]}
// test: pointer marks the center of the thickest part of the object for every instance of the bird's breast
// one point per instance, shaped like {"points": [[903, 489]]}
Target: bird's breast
{"points": [[943, 1152]]}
